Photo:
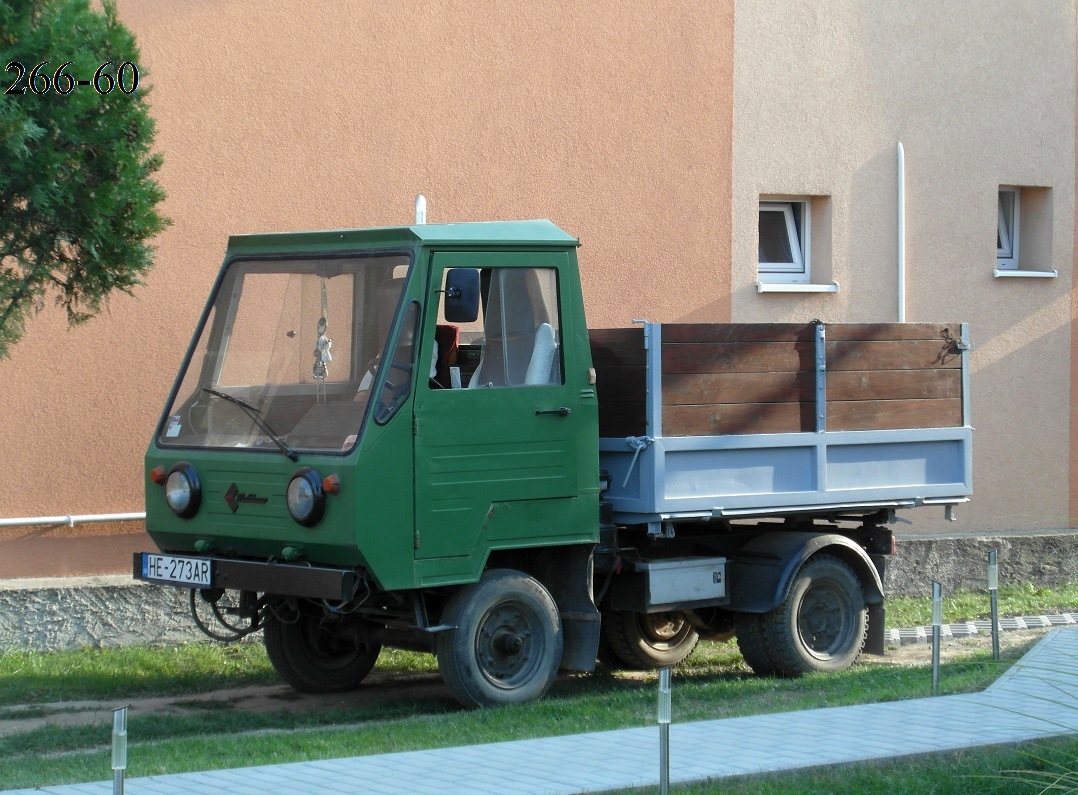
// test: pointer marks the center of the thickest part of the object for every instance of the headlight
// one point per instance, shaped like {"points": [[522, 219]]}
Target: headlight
{"points": [[306, 498], [183, 490]]}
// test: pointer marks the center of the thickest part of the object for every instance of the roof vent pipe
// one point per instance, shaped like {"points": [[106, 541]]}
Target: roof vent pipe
{"points": [[420, 209], [901, 234]]}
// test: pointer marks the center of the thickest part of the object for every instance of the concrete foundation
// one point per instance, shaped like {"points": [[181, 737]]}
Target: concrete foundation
{"points": [[960, 563], [68, 613], [100, 612]]}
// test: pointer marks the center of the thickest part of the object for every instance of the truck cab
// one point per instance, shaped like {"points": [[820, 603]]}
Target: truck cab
{"points": [[376, 413]]}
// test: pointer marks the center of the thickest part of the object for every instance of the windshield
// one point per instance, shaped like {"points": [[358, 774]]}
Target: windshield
{"points": [[288, 354]]}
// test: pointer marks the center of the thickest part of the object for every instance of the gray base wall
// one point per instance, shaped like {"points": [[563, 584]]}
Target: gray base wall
{"points": [[960, 563], [98, 612], [106, 612]]}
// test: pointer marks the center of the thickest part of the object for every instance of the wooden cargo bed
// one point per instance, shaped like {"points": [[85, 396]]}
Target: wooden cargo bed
{"points": [[784, 382]]}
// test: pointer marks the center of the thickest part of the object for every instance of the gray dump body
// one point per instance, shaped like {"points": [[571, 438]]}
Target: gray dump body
{"points": [[709, 421]]}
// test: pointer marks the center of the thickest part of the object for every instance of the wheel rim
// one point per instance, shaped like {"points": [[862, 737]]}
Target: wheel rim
{"points": [[509, 645], [825, 620], [664, 631], [325, 647]]}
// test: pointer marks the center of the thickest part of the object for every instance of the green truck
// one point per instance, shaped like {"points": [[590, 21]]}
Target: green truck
{"points": [[409, 437]]}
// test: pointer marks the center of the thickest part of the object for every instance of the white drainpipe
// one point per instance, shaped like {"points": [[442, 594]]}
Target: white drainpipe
{"points": [[901, 234], [71, 521]]}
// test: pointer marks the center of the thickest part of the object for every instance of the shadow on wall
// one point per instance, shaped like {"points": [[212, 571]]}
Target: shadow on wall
{"points": [[51, 552]]}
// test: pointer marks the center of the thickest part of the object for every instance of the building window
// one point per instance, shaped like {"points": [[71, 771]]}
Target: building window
{"points": [[784, 241], [1024, 232], [1007, 229]]}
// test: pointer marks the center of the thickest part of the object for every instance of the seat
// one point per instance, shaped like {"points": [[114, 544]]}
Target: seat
{"points": [[446, 347], [542, 360], [520, 341]]}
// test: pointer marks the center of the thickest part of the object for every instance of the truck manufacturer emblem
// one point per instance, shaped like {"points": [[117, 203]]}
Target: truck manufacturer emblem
{"points": [[234, 497]]}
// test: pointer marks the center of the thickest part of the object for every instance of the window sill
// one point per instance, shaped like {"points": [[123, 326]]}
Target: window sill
{"points": [[1021, 274], [786, 287]]}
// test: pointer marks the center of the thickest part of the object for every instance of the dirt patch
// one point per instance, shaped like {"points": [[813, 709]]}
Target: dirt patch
{"points": [[379, 686], [390, 685], [1011, 644]]}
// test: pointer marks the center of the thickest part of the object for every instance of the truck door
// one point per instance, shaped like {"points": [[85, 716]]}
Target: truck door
{"points": [[494, 423]]}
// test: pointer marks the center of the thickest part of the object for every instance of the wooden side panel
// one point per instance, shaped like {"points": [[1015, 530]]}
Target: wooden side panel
{"points": [[761, 378], [893, 385], [618, 346], [739, 332], [734, 418], [738, 378], [737, 357], [891, 355], [620, 362], [873, 415], [694, 389], [893, 331]]}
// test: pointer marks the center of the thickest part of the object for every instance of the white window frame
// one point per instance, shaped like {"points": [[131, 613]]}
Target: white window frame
{"points": [[1007, 230], [797, 271]]}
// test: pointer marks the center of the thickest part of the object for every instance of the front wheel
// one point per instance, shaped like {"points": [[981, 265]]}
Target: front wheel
{"points": [[645, 641], [507, 643], [823, 622], [318, 656]]}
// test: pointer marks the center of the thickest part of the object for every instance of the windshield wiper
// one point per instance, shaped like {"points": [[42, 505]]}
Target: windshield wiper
{"points": [[252, 412]]}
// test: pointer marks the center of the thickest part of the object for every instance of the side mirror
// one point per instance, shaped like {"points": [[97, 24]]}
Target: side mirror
{"points": [[462, 295]]}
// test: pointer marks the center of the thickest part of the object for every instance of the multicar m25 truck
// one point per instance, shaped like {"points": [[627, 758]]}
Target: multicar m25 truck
{"points": [[409, 437]]}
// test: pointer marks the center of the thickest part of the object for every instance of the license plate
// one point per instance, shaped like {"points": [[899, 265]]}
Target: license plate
{"points": [[176, 570]]}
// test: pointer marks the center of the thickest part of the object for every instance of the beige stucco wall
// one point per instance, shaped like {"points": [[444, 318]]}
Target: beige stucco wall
{"points": [[612, 119], [980, 95]]}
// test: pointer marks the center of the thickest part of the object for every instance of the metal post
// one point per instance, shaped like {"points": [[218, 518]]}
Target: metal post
{"points": [[993, 593], [664, 731], [901, 233], [119, 749], [937, 622], [821, 377]]}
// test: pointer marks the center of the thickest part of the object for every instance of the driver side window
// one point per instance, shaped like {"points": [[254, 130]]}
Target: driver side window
{"points": [[515, 341]]}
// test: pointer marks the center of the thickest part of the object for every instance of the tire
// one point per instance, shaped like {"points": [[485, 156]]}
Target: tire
{"points": [[647, 641], [317, 657], [507, 645], [753, 645], [713, 623], [823, 623], [606, 656]]}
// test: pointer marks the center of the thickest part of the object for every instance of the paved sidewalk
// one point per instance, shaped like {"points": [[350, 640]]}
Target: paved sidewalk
{"points": [[1036, 697]]}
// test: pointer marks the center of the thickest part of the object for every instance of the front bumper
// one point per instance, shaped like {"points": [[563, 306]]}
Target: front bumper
{"points": [[281, 579]]}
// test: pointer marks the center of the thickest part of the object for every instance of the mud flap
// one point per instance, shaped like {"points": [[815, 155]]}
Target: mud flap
{"points": [[567, 573], [581, 641], [877, 618]]}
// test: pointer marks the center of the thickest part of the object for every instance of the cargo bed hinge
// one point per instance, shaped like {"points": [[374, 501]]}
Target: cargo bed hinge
{"points": [[959, 343], [637, 443]]}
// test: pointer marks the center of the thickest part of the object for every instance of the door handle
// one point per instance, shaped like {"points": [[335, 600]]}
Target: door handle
{"points": [[564, 411]]}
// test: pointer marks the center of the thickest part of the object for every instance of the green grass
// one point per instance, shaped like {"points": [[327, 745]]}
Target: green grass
{"points": [[1014, 600], [134, 671], [712, 683]]}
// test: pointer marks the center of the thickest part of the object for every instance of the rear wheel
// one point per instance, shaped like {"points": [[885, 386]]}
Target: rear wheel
{"points": [[823, 623], [507, 644], [753, 645], [318, 656], [644, 641]]}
